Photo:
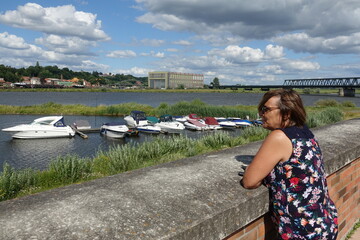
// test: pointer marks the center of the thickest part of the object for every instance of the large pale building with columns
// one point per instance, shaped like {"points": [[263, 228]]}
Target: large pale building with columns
{"points": [[172, 80]]}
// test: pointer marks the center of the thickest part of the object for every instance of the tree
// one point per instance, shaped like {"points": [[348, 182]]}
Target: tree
{"points": [[215, 83]]}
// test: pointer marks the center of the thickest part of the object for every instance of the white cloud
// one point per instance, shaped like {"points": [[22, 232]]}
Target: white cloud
{"points": [[302, 42], [15, 51], [159, 55], [239, 54], [182, 43], [135, 71], [122, 54], [61, 20], [326, 26], [301, 65], [274, 52], [88, 65], [11, 41], [153, 54], [150, 42], [68, 45]]}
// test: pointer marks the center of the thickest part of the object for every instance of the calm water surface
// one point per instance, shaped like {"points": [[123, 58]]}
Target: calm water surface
{"points": [[37, 154], [152, 99]]}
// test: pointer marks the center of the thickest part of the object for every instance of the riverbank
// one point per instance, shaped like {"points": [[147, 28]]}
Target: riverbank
{"points": [[72, 169]]}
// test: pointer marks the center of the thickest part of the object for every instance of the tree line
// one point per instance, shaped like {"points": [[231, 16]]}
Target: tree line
{"points": [[11, 74]]}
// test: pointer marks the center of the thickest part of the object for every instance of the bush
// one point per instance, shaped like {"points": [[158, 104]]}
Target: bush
{"points": [[326, 103], [348, 104]]}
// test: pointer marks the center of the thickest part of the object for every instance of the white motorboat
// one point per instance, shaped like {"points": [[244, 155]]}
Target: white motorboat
{"points": [[149, 129], [180, 119], [139, 121], [168, 125], [225, 123], [242, 122], [44, 127], [115, 129], [136, 118], [193, 124]]}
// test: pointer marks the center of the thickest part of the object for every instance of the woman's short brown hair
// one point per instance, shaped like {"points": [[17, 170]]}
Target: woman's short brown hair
{"points": [[290, 104]]}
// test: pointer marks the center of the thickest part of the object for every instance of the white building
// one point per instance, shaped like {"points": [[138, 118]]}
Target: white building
{"points": [[174, 80]]}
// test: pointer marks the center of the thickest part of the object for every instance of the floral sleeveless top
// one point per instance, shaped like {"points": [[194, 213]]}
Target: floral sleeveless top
{"points": [[299, 200]]}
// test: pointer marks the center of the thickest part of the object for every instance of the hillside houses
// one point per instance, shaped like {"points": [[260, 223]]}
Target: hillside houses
{"points": [[51, 82]]}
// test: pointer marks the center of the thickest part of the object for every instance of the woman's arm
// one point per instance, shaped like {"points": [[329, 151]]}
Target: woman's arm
{"points": [[275, 148]]}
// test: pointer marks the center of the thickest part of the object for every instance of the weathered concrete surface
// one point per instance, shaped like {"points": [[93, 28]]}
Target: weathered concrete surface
{"points": [[193, 198]]}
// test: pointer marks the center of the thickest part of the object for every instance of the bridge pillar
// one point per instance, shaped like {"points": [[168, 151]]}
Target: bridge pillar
{"points": [[347, 92]]}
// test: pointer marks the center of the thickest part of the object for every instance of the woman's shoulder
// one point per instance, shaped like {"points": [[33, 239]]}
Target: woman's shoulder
{"points": [[297, 132]]}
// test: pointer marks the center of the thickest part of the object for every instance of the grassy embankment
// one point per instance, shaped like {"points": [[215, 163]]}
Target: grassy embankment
{"points": [[69, 169]]}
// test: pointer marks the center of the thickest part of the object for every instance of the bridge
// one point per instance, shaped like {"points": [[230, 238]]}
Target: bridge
{"points": [[346, 85]]}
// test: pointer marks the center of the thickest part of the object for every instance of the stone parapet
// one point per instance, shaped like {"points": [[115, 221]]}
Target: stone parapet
{"points": [[193, 198]]}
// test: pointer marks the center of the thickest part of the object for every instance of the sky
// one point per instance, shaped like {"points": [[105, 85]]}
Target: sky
{"points": [[238, 41]]}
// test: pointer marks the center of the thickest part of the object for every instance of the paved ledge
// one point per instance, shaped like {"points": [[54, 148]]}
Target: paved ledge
{"points": [[192, 198]]}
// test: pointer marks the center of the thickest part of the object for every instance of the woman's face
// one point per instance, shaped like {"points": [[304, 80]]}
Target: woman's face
{"points": [[270, 114]]}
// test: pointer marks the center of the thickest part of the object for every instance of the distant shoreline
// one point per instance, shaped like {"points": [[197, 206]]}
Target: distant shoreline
{"points": [[105, 89]]}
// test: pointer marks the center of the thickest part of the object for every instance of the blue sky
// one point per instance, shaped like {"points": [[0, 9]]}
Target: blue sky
{"points": [[238, 41]]}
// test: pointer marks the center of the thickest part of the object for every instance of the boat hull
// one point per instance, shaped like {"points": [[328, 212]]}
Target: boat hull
{"points": [[39, 133], [171, 127], [117, 131], [149, 129]]}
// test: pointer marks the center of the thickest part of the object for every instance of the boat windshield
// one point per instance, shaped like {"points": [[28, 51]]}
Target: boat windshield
{"points": [[45, 122], [138, 115]]}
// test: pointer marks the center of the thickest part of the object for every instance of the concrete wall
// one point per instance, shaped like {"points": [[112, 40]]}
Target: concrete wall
{"points": [[193, 198]]}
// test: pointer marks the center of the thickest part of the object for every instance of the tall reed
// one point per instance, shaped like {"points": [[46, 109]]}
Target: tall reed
{"points": [[204, 110], [327, 116]]}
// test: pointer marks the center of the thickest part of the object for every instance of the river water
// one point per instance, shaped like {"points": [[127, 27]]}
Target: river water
{"points": [[37, 154]]}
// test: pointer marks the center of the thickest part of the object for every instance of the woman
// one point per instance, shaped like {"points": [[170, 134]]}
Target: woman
{"points": [[290, 164]]}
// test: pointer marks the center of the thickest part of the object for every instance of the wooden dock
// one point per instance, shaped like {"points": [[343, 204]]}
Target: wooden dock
{"points": [[82, 132]]}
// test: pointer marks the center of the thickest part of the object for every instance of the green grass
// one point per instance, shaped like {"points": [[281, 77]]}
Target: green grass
{"points": [[356, 226]]}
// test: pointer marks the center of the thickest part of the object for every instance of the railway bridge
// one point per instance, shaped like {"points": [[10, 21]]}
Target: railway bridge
{"points": [[346, 85]]}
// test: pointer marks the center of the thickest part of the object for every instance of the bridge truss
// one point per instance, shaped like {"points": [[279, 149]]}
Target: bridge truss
{"points": [[351, 82]]}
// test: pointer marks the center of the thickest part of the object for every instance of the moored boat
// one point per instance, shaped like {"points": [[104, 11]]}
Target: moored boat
{"points": [[242, 122], [117, 129], [149, 129], [168, 125], [193, 124], [136, 118], [44, 127], [212, 123]]}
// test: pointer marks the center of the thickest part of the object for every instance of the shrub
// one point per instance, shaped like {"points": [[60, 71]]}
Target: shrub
{"points": [[326, 103], [348, 104]]}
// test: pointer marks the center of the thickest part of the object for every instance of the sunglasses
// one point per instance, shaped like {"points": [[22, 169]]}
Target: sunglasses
{"points": [[265, 109]]}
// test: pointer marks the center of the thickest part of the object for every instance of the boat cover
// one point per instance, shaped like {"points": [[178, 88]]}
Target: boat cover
{"points": [[166, 118], [211, 121], [138, 115], [196, 123], [193, 116]]}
